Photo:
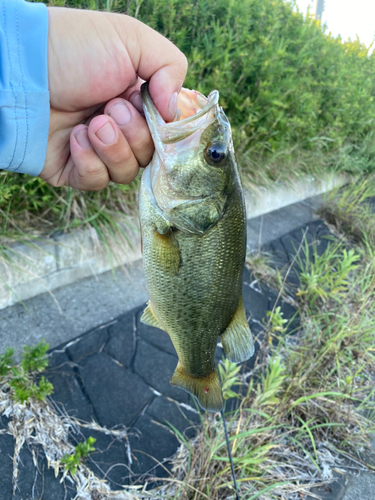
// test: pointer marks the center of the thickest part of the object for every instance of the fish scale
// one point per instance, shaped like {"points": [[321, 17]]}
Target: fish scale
{"points": [[194, 248]]}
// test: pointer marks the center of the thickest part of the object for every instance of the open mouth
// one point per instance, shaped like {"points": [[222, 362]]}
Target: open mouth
{"points": [[195, 112], [189, 104], [192, 105]]}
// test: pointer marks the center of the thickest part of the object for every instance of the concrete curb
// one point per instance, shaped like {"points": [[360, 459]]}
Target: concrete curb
{"points": [[46, 264], [261, 200]]}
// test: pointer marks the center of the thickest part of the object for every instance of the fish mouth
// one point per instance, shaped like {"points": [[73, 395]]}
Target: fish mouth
{"points": [[195, 111]]}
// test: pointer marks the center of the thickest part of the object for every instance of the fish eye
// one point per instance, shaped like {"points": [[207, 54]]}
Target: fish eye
{"points": [[216, 153]]}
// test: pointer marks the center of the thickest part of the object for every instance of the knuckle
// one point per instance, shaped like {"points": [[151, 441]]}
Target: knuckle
{"points": [[92, 184], [92, 176], [127, 177], [92, 169], [121, 161], [144, 146]]}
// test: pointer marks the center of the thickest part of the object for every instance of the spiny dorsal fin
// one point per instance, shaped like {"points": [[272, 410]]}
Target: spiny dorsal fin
{"points": [[237, 340], [207, 389], [148, 317]]}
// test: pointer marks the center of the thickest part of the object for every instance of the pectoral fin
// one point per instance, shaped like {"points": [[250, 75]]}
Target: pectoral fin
{"points": [[237, 339], [165, 252], [148, 317], [207, 389]]}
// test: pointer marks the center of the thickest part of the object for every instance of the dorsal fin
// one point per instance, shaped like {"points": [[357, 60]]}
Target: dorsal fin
{"points": [[237, 339]]}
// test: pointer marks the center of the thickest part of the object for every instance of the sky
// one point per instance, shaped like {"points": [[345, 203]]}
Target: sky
{"points": [[347, 18]]}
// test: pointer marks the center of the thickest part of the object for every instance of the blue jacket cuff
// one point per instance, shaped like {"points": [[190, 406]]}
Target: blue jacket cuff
{"points": [[24, 96]]}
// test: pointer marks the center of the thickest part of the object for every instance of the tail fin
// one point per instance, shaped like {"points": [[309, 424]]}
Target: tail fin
{"points": [[207, 389]]}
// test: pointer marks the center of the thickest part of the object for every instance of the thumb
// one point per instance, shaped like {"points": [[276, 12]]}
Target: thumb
{"points": [[155, 59]]}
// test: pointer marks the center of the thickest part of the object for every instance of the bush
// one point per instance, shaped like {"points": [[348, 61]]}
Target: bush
{"points": [[282, 80], [299, 100]]}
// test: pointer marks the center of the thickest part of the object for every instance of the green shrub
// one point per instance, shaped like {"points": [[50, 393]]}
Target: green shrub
{"points": [[81, 451], [21, 377], [299, 100], [282, 80]]}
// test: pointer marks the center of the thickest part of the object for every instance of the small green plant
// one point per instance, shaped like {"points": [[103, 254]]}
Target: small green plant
{"points": [[25, 389], [275, 321], [228, 372], [270, 384], [325, 277], [34, 359], [81, 451], [21, 378]]}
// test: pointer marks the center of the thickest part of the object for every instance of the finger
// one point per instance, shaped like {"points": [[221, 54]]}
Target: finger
{"points": [[86, 171], [113, 149], [133, 95], [134, 127], [156, 59]]}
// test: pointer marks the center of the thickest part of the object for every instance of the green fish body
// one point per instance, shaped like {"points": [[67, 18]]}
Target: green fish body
{"points": [[193, 226]]}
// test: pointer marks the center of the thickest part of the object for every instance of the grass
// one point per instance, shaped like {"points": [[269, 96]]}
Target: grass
{"points": [[351, 210], [308, 402], [292, 163], [266, 272], [39, 212], [33, 208]]}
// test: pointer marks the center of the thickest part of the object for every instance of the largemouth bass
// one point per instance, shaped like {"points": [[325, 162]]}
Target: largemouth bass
{"points": [[193, 226]]}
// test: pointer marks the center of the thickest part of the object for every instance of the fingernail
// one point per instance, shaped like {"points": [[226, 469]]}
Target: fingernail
{"points": [[172, 107], [120, 113], [106, 133], [136, 99], [82, 138]]}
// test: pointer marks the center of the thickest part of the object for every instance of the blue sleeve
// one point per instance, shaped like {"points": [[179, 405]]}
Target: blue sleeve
{"points": [[24, 96]]}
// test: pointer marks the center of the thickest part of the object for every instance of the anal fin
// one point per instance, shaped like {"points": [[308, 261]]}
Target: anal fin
{"points": [[207, 389], [148, 317], [237, 339]]}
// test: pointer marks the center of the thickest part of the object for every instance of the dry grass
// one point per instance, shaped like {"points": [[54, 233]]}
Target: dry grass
{"points": [[266, 272], [351, 210]]}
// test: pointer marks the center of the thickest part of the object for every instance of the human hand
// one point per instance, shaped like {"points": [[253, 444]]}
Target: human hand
{"points": [[96, 64]]}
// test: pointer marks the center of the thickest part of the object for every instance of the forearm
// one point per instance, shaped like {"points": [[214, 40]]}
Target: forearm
{"points": [[24, 96]]}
